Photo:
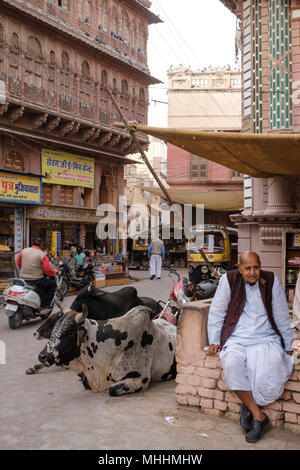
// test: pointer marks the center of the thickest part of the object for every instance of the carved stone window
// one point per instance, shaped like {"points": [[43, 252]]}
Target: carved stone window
{"points": [[134, 36], [14, 55], [142, 39], [103, 15], [103, 90], [34, 62], [141, 106], [85, 82], [14, 162], [124, 95], [65, 71], [51, 71], [125, 31], [114, 21], [85, 11]]}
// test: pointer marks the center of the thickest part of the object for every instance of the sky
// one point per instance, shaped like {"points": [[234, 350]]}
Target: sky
{"points": [[196, 33]]}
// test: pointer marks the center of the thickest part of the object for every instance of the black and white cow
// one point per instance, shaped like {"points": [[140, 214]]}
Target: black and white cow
{"points": [[102, 305], [120, 355]]}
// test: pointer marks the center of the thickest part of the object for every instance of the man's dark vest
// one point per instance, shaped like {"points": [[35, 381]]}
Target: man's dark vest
{"points": [[238, 301]]}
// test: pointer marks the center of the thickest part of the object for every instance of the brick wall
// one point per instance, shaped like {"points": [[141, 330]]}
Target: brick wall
{"points": [[200, 379]]}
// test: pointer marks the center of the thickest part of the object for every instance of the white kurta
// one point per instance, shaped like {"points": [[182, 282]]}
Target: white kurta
{"points": [[252, 357]]}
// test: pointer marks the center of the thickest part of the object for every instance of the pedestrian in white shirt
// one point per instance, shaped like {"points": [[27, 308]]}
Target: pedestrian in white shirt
{"points": [[156, 253], [249, 323]]}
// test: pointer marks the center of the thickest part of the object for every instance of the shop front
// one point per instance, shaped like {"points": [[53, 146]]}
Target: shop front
{"points": [[63, 227], [18, 191]]}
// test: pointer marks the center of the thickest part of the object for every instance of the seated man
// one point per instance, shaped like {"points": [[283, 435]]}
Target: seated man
{"points": [[35, 269], [249, 323]]}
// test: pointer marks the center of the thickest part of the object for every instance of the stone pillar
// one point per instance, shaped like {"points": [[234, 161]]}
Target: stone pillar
{"points": [[281, 196]]}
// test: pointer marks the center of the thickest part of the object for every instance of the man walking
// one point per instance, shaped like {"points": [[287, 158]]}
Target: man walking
{"points": [[156, 253], [249, 323]]}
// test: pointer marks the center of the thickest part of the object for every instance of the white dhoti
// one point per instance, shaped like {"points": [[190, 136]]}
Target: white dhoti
{"points": [[262, 369], [155, 265]]}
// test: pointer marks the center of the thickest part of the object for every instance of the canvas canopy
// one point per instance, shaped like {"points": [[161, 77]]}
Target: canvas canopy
{"points": [[213, 200], [257, 155]]}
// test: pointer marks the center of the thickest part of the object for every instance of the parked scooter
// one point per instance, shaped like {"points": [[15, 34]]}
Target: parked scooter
{"points": [[22, 302], [84, 276], [184, 291]]}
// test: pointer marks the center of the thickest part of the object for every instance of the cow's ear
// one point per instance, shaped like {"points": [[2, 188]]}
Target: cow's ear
{"points": [[81, 334], [80, 317]]}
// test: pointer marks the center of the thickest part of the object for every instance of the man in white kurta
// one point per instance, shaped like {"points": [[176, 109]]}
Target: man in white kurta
{"points": [[255, 364]]}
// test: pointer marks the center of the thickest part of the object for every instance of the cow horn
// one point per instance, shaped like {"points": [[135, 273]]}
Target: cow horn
{"points": [[90, 288]]}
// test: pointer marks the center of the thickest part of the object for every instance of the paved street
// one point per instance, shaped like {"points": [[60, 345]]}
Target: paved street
{"points": [[51, 410]]}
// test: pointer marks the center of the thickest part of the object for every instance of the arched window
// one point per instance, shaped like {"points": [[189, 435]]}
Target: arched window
{"points": [[114, 21], [125, 33], [142, 39], [65, 71], [85, 10], [103, 15], [103, 90], [14, 162], [51, 71], [141, 105], [134, 36], [34, 62], [124, 95], [85, 81], [14, 55]]}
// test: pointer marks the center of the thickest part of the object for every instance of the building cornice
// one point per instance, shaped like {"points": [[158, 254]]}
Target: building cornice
{"points": [[143, 8]]}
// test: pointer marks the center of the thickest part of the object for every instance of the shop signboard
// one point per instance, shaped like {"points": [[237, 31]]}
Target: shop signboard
{"points": [[63, 215], [66, 168], [20, 187]]}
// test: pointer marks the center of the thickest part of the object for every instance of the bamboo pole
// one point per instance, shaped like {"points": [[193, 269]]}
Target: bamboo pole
{"points": [[131, 131]]}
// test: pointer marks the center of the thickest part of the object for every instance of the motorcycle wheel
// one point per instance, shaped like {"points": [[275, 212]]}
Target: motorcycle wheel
{"points": [[63, 289], [16, 320]]}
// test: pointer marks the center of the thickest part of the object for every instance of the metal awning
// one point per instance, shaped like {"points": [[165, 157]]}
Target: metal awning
{"points": [[257, 155]]}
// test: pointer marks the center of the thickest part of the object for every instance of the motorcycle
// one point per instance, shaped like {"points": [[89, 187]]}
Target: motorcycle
{"points": [[22, 301], [83, 277], [184, 291]]}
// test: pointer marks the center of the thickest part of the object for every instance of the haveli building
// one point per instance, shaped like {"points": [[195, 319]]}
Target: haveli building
{"points": [[61, 154]]}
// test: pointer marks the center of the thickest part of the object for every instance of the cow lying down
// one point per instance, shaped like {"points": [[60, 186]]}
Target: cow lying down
{"points": [[102, 305], [120, 355]]}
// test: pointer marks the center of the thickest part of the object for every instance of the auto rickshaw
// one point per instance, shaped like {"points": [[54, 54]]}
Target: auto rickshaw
{"points": [[140, 254], [220, 248]]}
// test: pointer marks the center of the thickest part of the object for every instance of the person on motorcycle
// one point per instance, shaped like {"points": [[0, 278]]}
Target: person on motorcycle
{"points": [[80, 257], [37, 271]]}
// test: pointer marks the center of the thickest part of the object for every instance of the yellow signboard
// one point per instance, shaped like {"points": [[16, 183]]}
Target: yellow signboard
{"points": [[19, 187], [66, 168]]}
